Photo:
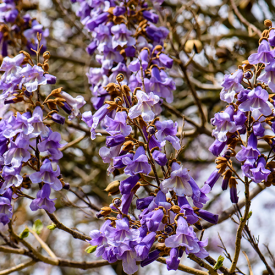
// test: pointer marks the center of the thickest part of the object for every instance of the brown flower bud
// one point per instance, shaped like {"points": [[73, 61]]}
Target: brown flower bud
{"points": [[128, 145], [113, 186], [119, 77], [175, 209], [105, 211], [268, 23]]}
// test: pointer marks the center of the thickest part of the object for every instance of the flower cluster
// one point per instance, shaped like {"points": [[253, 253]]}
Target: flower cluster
{"points": [[120, 29], [248, 121], [18, 29], [30, 150], [136, 148]]}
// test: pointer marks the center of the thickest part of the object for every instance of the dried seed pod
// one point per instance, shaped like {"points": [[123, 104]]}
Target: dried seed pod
{"points": [[193, 44], [113, 186]]}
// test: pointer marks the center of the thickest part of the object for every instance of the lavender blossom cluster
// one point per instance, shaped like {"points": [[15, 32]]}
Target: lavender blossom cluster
{"points": [[248, 120], [119, 33], [29, 149], [16, 28], [162, 224]]}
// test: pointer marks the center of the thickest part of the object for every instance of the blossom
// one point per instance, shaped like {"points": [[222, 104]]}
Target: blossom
{"points": [[12, 177], [264, 54], [118, 125], [43, 200], [167, 130], [75, 103], [250, 152], [268, 76], [39, 128], [5, 207], [122, 36], [260, 172], [231, 86], [147, 106], [93, 120], [51, 144], [178, 182], [173, 261], [185, 237], [139, 164], [17, 152], [47, 175], [256, 102], [33, 77], [18, 124]]}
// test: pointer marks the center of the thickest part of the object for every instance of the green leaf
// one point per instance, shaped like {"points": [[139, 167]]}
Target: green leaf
{"points": [[24, 234], [219, 263], [37, 227], [249, 214], [51, 226], [91, 249]]}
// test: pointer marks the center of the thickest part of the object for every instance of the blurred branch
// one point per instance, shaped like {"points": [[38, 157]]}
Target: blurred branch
{"points": [[185, 268], [17, 267], [245, 22]]}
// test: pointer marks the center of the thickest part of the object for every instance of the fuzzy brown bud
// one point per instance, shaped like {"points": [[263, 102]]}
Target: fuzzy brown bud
{"points": [[193, 44], [113, 186], [268, 23]]}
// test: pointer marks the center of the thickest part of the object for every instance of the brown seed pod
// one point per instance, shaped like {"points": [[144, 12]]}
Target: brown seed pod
{"points": [[268, 23]]}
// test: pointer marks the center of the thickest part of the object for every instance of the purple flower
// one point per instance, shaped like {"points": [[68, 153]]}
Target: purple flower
{"points": [[18, 152], [152, 17], [256, 102], [129, 258], [93, 120], [39, 128], [154, 220], [231, 85], [144, 202], [5, 207], [167, 130], [139, 164], [178, 182], [33, 77], [260, 173], [212, 218], [18, 124], [75, 103], [161, 84], [112, 141], [134, 66], [250, 152], [224, 123], [213, 178], [128, 184], [12, 177], [151, 258], [173, 261], [264, 54], [51, 144], [122, 36], [147, 106], [159, 158], [271, 38], [43, 200], [217, 147], [121, 233], [258, 129], [47, 175], [51, 79], [184, 237], [144, 246], [118, 125], [268, 76]]}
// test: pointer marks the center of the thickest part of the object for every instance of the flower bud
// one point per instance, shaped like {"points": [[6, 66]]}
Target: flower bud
{"points": [[113, 186], [106, 210], [120, 78], [175, 209], [268, 23]]}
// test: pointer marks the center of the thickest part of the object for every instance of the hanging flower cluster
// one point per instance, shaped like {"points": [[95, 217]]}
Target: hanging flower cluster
{"points": [[17, 28], [135, 147], [248, 120], [120, 29], [30, 150]]}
